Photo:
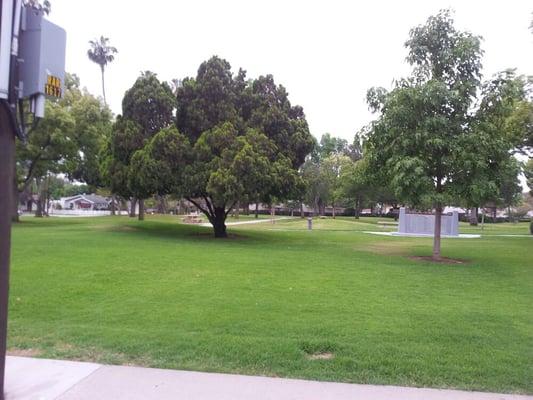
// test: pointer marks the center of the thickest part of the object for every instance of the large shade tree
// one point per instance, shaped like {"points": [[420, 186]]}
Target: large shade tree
{"points": [[425, 141], [242, 141]]}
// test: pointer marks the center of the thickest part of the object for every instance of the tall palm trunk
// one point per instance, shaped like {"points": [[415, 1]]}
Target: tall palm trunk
{"points": [[103, 83]]}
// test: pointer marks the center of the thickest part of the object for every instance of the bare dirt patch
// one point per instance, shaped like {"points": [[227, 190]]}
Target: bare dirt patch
{"points": [[24, 352], [442, 260], [320, 356]]}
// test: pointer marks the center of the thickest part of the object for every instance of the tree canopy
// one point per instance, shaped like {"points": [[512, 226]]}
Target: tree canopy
{"points": [[241, 140]]}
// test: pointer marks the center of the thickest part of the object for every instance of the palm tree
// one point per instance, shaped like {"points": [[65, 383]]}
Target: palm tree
{"points": [[101, 53], [44, 6]]}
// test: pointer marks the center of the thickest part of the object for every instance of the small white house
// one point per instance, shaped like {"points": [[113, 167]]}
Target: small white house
{"points": [[84, 202]]}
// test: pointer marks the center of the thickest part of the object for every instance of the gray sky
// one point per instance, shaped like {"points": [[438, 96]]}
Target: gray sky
{"points": [[327, 54]]}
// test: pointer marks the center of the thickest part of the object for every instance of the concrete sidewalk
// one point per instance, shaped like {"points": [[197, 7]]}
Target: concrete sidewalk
{"points": [[39, 379]]}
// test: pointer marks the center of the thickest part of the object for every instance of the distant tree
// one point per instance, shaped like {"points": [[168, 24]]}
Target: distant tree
{"points": [[101, 53], [506, 106], [317, 189], [329, 145], [331, 170], [354, 185], [70, 189], [92, 128], [424, 141], [147, 107], [321, 171], [150, 104], [504, 116], [44, 6], [48, 149], [116, 156], [528, 172], [67, 141], [510, 190]]}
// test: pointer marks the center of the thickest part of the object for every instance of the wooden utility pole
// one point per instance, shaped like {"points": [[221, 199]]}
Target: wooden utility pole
{"points": [[7, 159]]}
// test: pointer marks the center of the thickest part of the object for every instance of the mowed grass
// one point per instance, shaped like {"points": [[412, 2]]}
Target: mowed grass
{"points": [[272, 297]]}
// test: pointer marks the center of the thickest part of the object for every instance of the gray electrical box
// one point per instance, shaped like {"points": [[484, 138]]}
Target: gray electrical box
{"points": [[42, 55]]}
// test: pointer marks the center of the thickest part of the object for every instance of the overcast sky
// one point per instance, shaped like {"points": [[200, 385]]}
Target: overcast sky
{"points": [[327, 54]]}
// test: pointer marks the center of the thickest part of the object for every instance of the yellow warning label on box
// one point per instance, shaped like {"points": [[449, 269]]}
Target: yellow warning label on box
{"points": [[52, 86]]}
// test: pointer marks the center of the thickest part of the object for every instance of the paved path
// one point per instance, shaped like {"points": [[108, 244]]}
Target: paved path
{"points": [[254, 221], [39, 379]]}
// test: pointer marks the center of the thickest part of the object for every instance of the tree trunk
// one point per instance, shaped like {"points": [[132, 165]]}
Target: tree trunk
{"points": [[302, 214], [219, 222], [161, 204], [482, 219], [357, 209], [333, 210], [272, 213], [473, 216], [47, 196], [113, 212], [436, 236], [247, 209], [132, 207], [39, 211], [237, 209], [103, 84], [257, 210], [141, 209]]}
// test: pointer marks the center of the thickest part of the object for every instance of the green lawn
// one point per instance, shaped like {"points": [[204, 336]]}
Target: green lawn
{"points": [[163, 294]]}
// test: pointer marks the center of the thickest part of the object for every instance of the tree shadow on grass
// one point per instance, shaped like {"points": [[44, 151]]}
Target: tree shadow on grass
{"points": [[182, 232], [47, 222]]}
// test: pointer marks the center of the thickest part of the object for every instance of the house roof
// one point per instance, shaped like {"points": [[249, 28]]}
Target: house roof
{"points": [[94, 198], [91, 198]]}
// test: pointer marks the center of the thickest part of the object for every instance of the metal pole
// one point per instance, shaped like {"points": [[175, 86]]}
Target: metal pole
{"points": [[7, 158]]}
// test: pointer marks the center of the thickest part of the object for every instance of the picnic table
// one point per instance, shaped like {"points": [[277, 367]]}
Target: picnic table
{"points": [[192, 219]]}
